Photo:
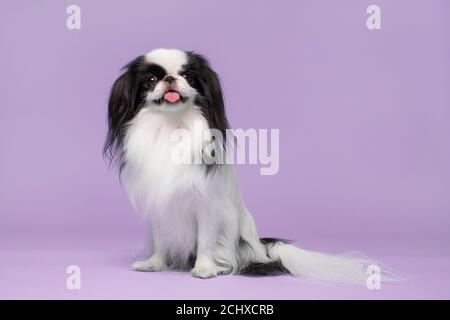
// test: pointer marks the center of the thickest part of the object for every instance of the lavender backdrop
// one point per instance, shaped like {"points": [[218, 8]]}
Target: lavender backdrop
{"points": [[364, 151]]}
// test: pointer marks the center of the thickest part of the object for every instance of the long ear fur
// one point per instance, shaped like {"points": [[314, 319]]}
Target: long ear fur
{"points": [[211, 100], [122, 107]]}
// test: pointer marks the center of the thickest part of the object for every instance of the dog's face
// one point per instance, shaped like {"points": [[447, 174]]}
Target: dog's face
{"points": [[167, 80]]}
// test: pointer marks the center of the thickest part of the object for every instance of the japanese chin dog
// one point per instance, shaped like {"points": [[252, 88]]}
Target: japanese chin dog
{"points": [[198, 220]]}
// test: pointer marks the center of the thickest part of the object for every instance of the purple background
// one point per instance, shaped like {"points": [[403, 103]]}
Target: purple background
{"points": [[364, 128]]}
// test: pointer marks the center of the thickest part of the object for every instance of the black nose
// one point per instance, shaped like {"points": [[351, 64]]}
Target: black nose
{"points": [[169, 79]]}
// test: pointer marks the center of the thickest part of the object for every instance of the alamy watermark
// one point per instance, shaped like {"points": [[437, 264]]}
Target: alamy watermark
{"points": [[235, 146], [373, 281], [373, 21], [73, 21], [73, 281]]}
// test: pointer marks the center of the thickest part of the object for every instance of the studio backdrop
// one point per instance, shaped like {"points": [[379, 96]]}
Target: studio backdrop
{"points": [[357, 92]]}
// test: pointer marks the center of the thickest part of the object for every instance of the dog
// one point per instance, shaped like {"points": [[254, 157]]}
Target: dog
{"points": [[198, 219]]}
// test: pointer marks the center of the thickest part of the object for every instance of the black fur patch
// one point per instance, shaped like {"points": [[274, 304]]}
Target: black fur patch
{"points": [[265, 241], [265, 269], [127, 97], [205, 80]]}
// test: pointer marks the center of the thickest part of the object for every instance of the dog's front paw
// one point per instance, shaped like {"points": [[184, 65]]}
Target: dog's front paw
{"points": [[152, 264], [204, 268], [204, 272]]}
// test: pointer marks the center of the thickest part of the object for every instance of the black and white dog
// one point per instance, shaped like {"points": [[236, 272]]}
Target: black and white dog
{"points": [[197, 216]]}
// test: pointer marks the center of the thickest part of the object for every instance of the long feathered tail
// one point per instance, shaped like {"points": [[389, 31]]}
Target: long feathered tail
{"points": [[344, 268]]}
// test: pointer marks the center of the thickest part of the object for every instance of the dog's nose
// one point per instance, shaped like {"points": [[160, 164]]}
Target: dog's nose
{"points": [[169, 79]]}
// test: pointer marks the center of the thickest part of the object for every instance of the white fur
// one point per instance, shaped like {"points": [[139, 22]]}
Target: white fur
{"points": [[204, 215], [171, 59], [186, 208]]}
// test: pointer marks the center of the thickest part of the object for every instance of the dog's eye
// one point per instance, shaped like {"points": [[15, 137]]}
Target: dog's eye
{"points": [[152, 80], [187, 77]]}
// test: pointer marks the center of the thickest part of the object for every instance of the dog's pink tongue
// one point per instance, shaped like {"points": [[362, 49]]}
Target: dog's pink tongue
{"points": [[172, 96]]}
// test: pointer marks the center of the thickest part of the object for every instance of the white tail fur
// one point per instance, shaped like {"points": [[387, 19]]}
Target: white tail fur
{"points": [[316, 266]]}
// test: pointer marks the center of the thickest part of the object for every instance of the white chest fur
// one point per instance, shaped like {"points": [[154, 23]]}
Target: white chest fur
{"points": [[151, 176]]}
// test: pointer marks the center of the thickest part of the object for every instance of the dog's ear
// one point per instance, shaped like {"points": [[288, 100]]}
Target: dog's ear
{"points": [[211, 102], [214, 107], [121, 108]]}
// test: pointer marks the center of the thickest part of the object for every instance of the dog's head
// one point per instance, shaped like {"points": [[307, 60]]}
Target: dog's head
{"points": [[168, 80]]}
